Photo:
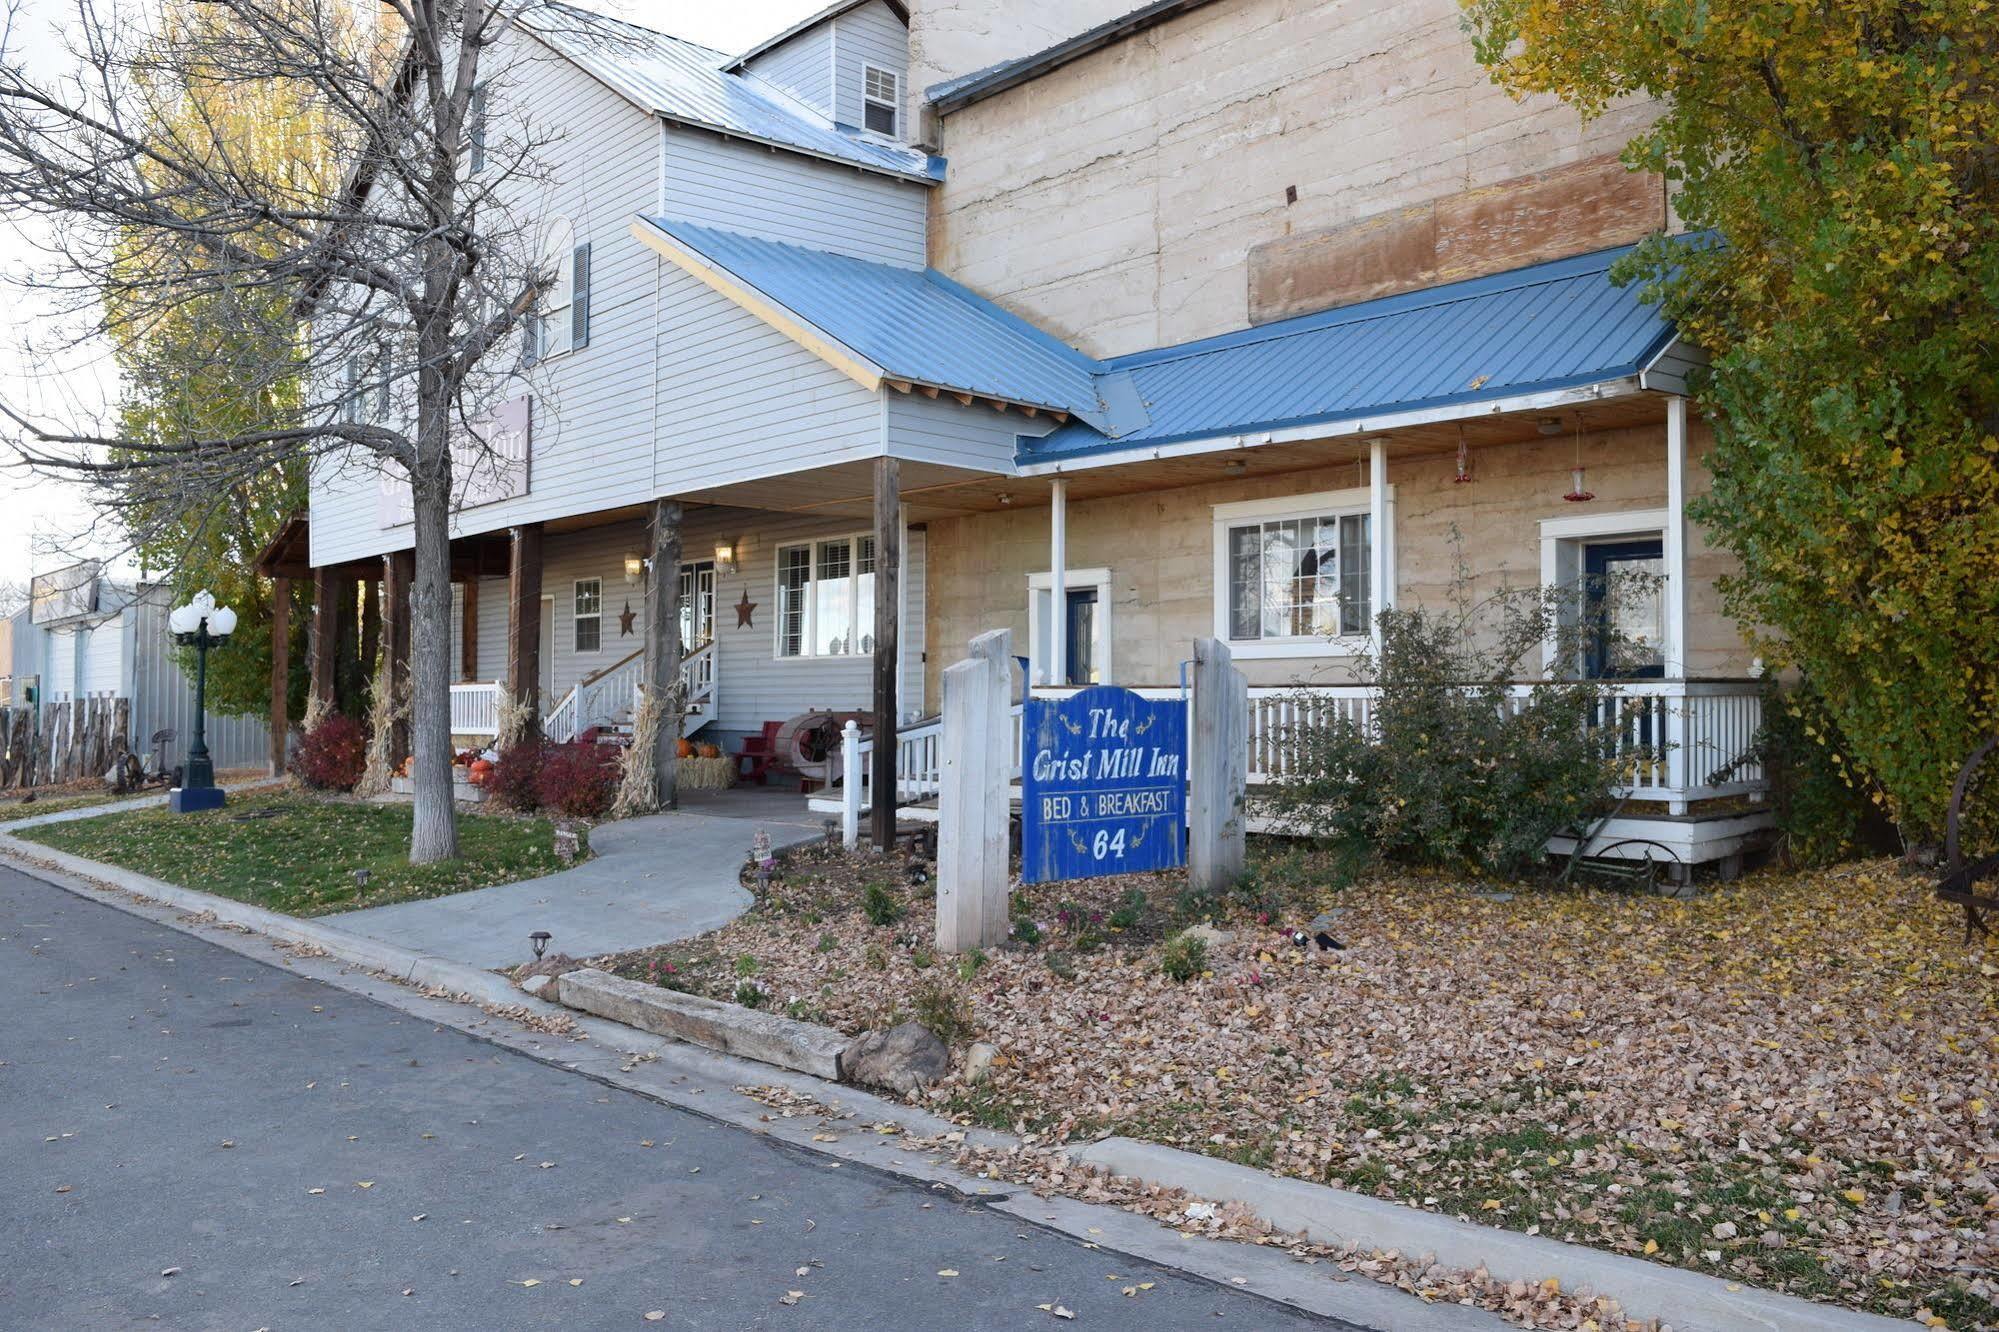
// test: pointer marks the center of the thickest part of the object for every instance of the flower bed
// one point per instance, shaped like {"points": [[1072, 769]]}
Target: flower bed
{"points": [[1788, 1081]]}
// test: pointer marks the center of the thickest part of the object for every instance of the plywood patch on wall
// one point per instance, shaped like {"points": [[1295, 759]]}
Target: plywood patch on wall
{"points": [[1574, 209]]}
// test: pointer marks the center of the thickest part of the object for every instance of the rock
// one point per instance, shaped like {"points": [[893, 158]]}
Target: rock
{"points": [[907, 1058], [1770, 1239], [1207, 934], [1324, 920], [979, 1061], [536, 984], [1493, 895]]}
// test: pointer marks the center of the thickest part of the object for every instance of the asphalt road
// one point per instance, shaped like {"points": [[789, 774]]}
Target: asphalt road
{"points": [[300, 1157]]}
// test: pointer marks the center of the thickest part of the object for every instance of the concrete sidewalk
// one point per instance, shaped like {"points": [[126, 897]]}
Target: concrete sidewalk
{"points": [[650, 880]]}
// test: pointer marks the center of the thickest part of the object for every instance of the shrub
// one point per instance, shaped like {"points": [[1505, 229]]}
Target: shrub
{"points": [[969, 964], [1025, 931], [1826, 808], [1130, 911], [746, 965], [749, 994], [515, 782], [332, 755], [944, 1011], [1458, 768], [579, 780], [880, 906], [1183, 958]]}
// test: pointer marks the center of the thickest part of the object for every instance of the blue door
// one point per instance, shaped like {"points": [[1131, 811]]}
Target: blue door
{"points": [[1625, 609]]}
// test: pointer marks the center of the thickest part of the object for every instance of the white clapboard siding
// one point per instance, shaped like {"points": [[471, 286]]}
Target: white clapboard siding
{"points": [[942, 430], [873, 35], [781, 196], [802, 67], [737, 400], [755, 684]]}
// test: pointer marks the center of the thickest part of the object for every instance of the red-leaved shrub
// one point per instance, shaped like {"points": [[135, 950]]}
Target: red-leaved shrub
{"points": [[579, 780], [333, 754], [515, 782]]}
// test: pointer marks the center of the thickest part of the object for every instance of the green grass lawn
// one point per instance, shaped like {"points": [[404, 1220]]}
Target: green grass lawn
{"points": [[292, 853], [14, 810]]}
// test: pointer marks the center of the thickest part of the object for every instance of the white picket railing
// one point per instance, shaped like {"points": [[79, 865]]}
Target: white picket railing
{"points": [[1682, 740], [612, 694], [475, 708]]}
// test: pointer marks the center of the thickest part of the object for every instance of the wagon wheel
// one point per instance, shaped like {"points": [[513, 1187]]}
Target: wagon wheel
{"points": [[1960, 881]]}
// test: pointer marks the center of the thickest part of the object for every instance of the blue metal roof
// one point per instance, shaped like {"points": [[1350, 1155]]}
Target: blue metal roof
{"points": [[1552, 326], [916, 324], [685, 81]]}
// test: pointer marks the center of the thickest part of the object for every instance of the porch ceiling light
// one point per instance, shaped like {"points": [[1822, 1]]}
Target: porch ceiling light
{"points": [[635, 568], [1550, 425]]}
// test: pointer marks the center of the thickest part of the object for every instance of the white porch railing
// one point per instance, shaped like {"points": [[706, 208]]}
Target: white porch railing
{"points": [[612, 694], [1683, 740], [475, 708], [698, 673]]}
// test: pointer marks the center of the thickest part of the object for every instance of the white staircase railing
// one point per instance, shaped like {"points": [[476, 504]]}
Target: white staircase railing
{"points": [[698, 672], [612, 694]]}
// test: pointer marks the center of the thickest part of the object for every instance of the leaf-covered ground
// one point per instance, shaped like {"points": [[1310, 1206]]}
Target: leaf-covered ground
{"points": [[297, 853], [1787, 1081]]}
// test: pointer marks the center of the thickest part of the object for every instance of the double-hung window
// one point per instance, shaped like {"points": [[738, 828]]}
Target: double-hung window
{"points": [[826, 597], [881, 98], [1295, 573], [589, 614]]}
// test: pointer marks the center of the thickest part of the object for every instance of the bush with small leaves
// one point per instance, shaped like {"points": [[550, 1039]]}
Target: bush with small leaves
{"points": [[969, 964], [581, 780], [515, 782], [332, 755], [944, 1011], [879, 905], [1130, 911], [1183, 958], [1025, 931], [749, 994]]}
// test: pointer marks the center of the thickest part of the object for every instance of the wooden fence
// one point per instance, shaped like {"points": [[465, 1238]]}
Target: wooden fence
{"points": [[65, 741]]}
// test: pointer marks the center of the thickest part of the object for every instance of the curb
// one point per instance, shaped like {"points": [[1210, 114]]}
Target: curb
{"points": [[1690, 1301], [402, 964], [729, 1028]]}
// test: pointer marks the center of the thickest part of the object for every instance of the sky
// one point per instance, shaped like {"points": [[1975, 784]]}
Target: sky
{"points": [[47, 522]]}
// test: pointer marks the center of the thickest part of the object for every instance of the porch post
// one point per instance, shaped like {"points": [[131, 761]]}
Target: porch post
{"points": [[371, 626], [468, 631], [664, 648], [281, 670], [1058, 583], [888, 654], [1377, 536], [398, 574], [321, 639], [1679, 776], [524, 625]]}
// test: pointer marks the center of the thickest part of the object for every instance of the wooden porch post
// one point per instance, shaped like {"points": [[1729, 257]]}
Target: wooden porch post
{"points": [[524, 623], [281, 670], [398, 573], [1057, 672], [350, 672], [371, 626], [321, 640], [468, 631], [888, 603], [664, 648]]}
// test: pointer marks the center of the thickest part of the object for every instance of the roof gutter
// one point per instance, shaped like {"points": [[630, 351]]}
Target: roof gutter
{"points": [[1544, 400]]}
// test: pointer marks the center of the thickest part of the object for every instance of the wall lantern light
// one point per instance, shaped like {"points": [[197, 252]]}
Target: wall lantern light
{"points": [[725, 557], [635, 569]]}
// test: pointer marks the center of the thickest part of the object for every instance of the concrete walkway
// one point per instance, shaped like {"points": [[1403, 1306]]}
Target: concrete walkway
{"points": [[650, 881]]}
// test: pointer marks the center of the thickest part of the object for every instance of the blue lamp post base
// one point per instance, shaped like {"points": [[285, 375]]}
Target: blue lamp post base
{"points": [[194, 799]]}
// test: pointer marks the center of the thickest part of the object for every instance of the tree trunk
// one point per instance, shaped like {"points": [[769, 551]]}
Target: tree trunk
{"points": [[664, 648], [281, 662], [434, 821]]}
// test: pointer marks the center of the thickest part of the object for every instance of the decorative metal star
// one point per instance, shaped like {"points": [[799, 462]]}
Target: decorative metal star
{"points": [[627, 620], [746, 611]]}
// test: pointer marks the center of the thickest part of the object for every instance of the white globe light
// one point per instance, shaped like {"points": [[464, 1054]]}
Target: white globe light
{"points": [[183, 619], [203, 603], [223, 622]]}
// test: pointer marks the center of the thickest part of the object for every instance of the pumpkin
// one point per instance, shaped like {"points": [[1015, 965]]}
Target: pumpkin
{"points": [[481, 771], [711, 751], [685, 748]]}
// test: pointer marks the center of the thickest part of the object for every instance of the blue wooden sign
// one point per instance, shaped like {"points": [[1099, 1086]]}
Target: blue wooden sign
{"points": [[1103, 785]]}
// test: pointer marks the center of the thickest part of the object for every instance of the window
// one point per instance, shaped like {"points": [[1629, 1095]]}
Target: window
{"points": [[1086, 608], [1295, 572], [881, 96], [561, 323], [826, 598], [589, 614]]}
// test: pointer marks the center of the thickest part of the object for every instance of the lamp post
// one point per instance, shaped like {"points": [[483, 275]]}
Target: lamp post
{"points": [[201, 625]]}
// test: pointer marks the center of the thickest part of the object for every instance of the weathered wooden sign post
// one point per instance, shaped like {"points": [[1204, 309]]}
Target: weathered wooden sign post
{"points": [[1219, 780], [1102, 785], [975, 767]]}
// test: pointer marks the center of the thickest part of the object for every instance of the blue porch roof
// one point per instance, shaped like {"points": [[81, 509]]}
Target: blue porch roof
{"points": [[1548, 327], [914, 324]]}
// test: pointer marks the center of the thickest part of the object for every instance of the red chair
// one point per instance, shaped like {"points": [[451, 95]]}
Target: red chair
{"points": [[760, 752]]}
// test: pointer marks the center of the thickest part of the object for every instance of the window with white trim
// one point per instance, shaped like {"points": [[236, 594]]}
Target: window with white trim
{"points": [[1296, 575], [549, 331], [881, 100], [826, 597], [588, 614]]}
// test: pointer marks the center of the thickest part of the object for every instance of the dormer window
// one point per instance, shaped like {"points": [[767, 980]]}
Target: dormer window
{"points": [[881, 95]]}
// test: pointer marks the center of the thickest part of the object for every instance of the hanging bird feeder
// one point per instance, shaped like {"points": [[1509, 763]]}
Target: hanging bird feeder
{"points": [[1579, 492], [1464, 460]]}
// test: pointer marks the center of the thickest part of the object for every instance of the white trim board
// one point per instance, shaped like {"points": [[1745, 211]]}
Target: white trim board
{"points": [[1100, 579]]}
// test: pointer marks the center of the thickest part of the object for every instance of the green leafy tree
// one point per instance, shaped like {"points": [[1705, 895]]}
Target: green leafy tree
{"points": [[1843, 152]]}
